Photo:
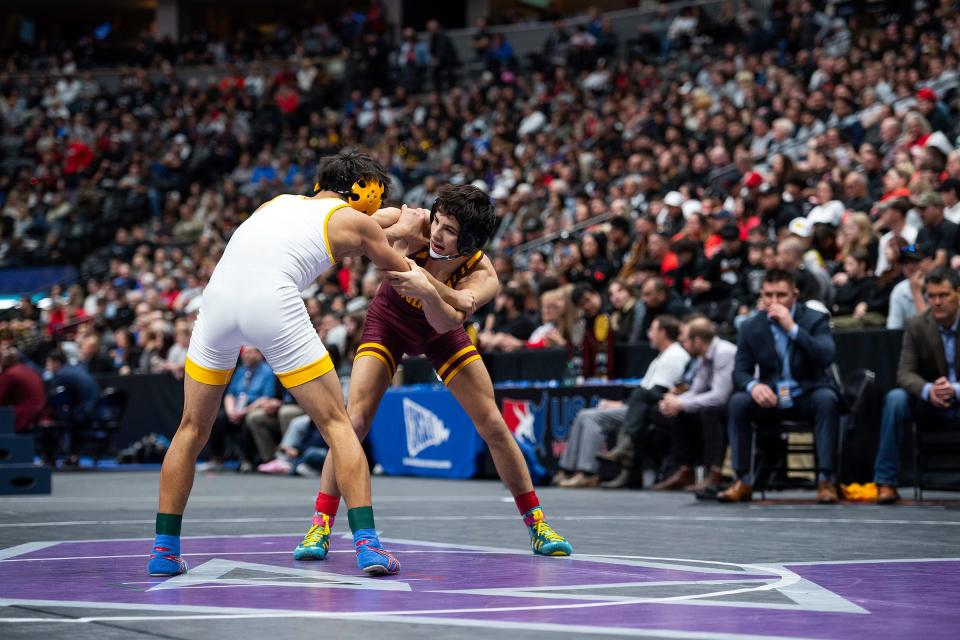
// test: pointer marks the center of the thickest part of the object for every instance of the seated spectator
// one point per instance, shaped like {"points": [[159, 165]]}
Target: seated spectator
{"points": [[623, 319], [21, 388], [72, 395], [686, 259], [619, 242], [778, 205], [151, 345], [597, 347], [928, 389], [718, 291], [509, 326], [663, 374], [588, 433], [90, 357], [125, 354], [854, 289], [906, 298], [267, 423], [301, 451], [879, 303], [177, 354], [556, 316], [949, 191], [671, 220], [760, 257], [593, 266], [893, 218], [856, 192], [934, 111], [792, 347], [940, 235], [697, 413], [252, 385], [895, 183], [857, 234], [657, 299], [812, 283], [828, 210]]}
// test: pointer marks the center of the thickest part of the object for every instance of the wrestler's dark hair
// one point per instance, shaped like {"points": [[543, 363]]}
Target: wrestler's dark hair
{"points": [[339, 172], [472, 209]]}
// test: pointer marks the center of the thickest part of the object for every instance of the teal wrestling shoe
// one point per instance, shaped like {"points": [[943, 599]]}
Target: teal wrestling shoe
{"points": [[543, 539], [316, 543]]}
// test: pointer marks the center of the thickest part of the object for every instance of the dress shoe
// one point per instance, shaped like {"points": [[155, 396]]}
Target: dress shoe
{"points": [[622, 452], [710, 492], [714, 477], [581, 480], [827, 493], [621, 481], [681, 479], [559, 477], [887, 494], [738, 492]]}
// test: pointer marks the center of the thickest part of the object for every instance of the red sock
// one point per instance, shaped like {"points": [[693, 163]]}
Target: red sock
{"points": [[527, 501], [328, 505]]}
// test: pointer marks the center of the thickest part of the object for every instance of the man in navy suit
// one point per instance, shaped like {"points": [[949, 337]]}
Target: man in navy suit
{"points": [[792, 347]]}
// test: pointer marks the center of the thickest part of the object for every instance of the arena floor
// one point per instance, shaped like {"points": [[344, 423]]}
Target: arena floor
{"points": [[72, 565]]}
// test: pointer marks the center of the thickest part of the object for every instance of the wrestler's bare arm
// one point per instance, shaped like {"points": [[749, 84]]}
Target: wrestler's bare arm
{"points": [[472, 292], [415, 283], [354, 233], [402, 225]]}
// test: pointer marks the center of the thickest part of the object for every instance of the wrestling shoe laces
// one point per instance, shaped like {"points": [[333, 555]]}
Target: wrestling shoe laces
{"points": [[315, 544], [316, 534], [543, 539], [544, 531]]}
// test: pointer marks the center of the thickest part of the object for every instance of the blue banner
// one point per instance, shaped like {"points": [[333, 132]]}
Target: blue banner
{"points": [[422, 431]]}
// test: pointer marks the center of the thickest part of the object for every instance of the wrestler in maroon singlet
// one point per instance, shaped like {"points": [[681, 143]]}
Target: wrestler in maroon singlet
{"points": [[397, 325]]}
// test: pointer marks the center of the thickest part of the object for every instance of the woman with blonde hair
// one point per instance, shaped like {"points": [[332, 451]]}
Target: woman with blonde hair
{"points": [[857, 234], [557, 316]]}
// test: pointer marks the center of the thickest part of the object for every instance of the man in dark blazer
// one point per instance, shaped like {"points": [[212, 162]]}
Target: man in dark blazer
{"points": [[928, 390], [792, 347]]}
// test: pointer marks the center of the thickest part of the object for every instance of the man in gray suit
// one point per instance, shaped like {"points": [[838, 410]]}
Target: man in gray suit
{"points": [[928, 389], [700, 410]]}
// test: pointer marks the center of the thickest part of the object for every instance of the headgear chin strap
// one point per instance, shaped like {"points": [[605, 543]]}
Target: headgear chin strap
{"points": [[436, 256]]}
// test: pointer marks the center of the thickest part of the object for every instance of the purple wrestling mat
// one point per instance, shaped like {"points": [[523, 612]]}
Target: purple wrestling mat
{"points": [[251, 577]]}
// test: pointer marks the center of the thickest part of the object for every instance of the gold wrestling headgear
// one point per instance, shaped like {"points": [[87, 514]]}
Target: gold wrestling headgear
{"points": [[364, 195]]}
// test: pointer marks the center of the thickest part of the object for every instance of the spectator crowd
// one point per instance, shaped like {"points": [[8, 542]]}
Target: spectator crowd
{"points": [[644, 177]]}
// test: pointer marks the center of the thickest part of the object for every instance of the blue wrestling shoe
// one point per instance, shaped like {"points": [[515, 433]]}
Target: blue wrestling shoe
{"points": [[543, 539], [165, 560], [372, 558], [315, 544]]}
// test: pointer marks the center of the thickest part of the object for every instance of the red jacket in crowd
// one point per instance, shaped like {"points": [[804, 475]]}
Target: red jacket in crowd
{"points": [[22, 389]]}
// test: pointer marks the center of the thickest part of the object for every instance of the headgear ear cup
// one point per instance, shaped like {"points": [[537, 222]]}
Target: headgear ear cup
{"points": [[366, 196]]}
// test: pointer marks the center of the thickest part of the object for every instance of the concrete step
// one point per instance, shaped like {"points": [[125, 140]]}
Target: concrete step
{"points": [[24, 480], [16, 450]]}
